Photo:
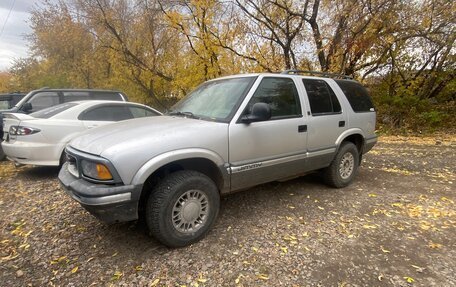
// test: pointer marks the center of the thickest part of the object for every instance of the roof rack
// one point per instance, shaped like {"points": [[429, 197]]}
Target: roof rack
{"points": [[313, 73]]}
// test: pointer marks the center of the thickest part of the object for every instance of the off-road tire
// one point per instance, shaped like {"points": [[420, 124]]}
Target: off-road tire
{"points": [[161, 204], [335, 175]]}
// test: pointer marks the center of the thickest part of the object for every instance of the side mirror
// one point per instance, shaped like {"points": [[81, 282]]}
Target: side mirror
{"points": [[27, 107], [260, 112]]}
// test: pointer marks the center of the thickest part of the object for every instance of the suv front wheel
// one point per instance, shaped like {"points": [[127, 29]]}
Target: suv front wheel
{"points": [[182, 208], [344, 166]]}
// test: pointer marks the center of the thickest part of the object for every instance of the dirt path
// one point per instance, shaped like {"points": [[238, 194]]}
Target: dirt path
{"points": [[395, 226]]}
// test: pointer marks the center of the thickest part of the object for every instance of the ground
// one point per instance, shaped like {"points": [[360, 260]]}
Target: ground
{"points": [[394, 226]]}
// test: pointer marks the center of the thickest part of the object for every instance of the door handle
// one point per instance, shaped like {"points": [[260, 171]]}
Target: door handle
{"points": [[341, 124], [302, 128]]}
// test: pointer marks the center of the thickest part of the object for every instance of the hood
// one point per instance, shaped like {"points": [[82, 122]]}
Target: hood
{"points": [[147, 137]]}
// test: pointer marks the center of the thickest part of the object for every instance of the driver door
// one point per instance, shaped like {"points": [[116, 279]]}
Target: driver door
{"points": [[264, 151]]}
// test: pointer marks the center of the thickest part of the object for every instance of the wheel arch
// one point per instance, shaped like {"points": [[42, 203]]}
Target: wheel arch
{"points": [[201, 160], [355, 136], [206, 162]]}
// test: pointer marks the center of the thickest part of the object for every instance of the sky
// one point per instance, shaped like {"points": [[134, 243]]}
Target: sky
{"points": [[13, 44]]}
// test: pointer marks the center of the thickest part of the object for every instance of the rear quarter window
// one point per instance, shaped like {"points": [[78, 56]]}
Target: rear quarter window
{"points": [[357, 96]]}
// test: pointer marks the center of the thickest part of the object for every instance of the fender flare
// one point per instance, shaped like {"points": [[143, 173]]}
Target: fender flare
{"points": [[347, 133], [160, 160]]}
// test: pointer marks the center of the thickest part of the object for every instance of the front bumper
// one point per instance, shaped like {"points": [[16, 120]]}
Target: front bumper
{"points": [[109, 203]]}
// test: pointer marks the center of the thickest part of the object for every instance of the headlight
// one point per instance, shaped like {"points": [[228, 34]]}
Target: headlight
{"points": [[95, 170]]}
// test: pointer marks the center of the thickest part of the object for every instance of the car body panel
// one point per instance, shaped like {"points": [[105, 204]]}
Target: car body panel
{"points": [[46, 147], [136, 145]]}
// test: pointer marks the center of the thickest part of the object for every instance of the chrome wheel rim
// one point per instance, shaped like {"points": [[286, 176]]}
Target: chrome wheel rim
{"points": [[190, 211], [346, 166]]}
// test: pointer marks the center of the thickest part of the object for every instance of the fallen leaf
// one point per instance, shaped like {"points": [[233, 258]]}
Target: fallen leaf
{"points": [[138, 268], [74, 270], [433, 245], [367, 226], [263, 276], [155, 282], [409, 279], [117, 275], [418, 268], [201, 279], [384, 250]]}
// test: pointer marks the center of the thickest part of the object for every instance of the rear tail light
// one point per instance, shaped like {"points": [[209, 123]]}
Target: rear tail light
{"points": [[22, 131]]}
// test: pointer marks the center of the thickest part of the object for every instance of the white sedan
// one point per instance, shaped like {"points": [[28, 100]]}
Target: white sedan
{"points": [[40, 138]]}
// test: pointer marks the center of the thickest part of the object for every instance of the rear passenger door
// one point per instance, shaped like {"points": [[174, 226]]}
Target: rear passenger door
{"points": [[326, 121]]}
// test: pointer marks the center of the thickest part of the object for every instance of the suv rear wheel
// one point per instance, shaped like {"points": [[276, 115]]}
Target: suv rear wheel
{"points": [[182, 208], [343, 168]]}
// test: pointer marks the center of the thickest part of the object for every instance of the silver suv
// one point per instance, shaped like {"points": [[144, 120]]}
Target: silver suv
{"points": [[229, 134]]}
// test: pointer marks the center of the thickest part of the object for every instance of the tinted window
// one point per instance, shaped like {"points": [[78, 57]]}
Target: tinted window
{"points": [[280, 94], [52, 111], [357, 96], [139, 112], [107, 113], [44, 100], [75, 96], [321, 97], [4, 104], [113, 96]]}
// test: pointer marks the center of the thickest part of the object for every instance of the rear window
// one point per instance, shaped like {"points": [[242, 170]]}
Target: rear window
{"points": [[357, 96], [4, 104], [113, 96], [73, 96], [52, 111]]}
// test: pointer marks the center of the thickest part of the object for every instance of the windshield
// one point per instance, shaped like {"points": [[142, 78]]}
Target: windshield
{"points": [[52, 111], [215, 100]]}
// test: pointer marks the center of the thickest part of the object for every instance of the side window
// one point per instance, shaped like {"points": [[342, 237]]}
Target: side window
{"points": [[321, 97], [106, 96], [139, 112], [357, 96], [281, 95], [4, 104], [107, 113], [44, 100], [75, 96]]}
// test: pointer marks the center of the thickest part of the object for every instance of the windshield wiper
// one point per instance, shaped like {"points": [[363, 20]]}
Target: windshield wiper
{"points": [[185, 114]]}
